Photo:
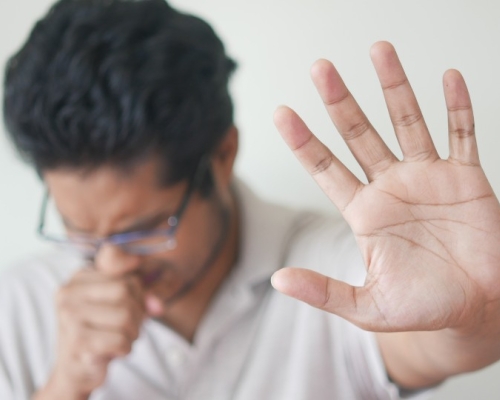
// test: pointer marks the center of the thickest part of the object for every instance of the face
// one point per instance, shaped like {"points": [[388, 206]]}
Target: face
{"points": [[107, 201]]}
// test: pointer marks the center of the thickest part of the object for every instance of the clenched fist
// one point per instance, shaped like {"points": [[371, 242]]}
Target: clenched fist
{"points": [[99, 319]]}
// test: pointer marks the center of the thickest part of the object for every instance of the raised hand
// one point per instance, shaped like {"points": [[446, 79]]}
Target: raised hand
{"points": [[428, 228]]}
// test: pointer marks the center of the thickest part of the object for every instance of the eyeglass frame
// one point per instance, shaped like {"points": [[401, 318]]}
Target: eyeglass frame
{"points": [[122, 239]]}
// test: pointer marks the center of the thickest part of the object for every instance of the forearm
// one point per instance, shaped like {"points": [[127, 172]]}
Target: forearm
{"points": [[48, 395], [57, 389], [422, 359]]}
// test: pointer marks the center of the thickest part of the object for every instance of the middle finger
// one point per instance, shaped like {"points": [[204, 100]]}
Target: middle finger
{"points": [[366, 145], [406, 116]]}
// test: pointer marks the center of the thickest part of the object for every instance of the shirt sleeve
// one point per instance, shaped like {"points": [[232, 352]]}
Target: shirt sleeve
{"points": [[14, 362], [367, 369]]}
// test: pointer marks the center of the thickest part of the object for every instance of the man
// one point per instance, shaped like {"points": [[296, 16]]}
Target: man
{"points": [[123, 109]]}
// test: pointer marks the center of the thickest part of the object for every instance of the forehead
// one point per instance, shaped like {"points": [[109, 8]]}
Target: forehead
{"points": [[107, 198]]}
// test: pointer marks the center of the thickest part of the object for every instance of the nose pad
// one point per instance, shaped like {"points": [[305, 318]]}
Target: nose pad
{"points": [[114, 261]]}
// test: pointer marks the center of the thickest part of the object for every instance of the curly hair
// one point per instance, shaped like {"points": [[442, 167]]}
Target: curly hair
{"points": [[117, 81]]}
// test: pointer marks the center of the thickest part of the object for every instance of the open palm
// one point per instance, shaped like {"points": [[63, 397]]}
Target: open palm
{"points": [[428, 228]]}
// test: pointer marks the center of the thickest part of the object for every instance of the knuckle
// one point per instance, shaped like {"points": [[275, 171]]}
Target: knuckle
{"points": [[95, 345], [120, 291], [419, 156], [379, 166], [126, 318], [395, 85], [356, 130], [463, 133], [322, 165], [406, 120], [332, 102]]}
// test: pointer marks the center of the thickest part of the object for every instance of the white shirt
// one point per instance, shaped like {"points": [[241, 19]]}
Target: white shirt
{"points": [[253, 343]]}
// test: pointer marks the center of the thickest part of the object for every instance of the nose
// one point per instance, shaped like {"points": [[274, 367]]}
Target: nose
{"points": [[114, 261]]}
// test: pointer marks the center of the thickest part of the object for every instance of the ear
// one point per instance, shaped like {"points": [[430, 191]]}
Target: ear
{"points": [[224, 157]]}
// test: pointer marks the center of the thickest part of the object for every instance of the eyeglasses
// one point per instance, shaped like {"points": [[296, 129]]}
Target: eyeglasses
{"points": [[138, 242]]}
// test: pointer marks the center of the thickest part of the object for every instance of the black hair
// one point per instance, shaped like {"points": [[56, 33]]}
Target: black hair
{"points": [[111, 82]]}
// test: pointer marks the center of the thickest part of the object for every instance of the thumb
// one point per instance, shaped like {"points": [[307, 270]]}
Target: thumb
{"points": [[320, 291], [154, 306]]}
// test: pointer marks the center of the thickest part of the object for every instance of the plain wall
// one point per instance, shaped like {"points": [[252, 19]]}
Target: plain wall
{"points": [[275, 42]]}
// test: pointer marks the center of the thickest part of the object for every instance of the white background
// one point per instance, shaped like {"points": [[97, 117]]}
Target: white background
{"points": [[275, 42]]}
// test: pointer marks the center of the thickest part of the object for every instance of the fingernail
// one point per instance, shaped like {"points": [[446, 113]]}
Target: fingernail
{"points": [[154, 306]]}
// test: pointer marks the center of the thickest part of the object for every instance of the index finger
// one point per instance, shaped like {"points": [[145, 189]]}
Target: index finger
{"points": [[334, 178], [90, 285]]}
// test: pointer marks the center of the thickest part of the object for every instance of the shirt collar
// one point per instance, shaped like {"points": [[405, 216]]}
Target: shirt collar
{"points": [[265, 230]]}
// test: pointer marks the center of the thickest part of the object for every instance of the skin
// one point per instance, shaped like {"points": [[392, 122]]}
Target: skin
{"points": [[428, 228], [101, 309]]}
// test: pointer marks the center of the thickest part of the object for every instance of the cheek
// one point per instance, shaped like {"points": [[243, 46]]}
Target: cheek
{"points": [[198, 234], [160, 278], [163, 277]]}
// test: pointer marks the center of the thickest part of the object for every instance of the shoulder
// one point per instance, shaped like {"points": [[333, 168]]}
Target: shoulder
{"points": [[37, 277], [46, 270]]}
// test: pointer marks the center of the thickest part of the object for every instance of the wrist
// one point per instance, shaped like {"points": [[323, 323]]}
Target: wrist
{"points": [[59, 388]]}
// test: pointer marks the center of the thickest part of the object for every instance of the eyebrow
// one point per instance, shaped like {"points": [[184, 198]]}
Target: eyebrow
{"points": [[150, 222]]}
